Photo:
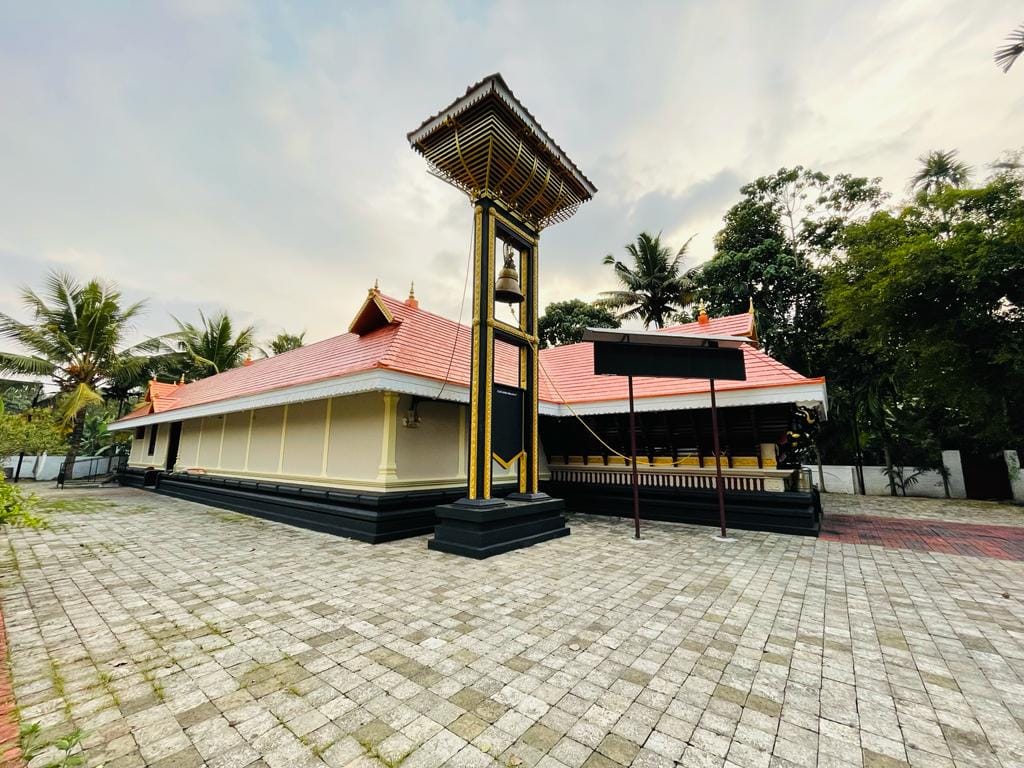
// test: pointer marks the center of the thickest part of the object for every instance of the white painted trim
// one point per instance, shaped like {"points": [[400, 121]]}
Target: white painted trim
{"points": [[380, 380], [803, 393], [377, 380]]}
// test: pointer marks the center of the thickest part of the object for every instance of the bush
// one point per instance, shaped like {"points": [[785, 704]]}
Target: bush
{"points": [[17, 509]]}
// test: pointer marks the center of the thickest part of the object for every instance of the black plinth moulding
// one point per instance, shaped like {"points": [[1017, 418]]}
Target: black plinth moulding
{"points": [[480, 528]]}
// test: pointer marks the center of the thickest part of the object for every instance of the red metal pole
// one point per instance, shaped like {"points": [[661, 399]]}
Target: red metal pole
{"points": [[718, 460], [632, 448]]}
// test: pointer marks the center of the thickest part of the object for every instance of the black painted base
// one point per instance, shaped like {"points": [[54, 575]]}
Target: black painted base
{"points": [[481, 529], [373, 517], [783, 512]]}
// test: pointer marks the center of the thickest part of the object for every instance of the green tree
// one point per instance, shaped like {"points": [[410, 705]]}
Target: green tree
{"points": [[285, 342], [940, 303], [211, 347], [563, 322], [653, 285], [77, 337], [940, 169], [30, 432], [769, 253]]}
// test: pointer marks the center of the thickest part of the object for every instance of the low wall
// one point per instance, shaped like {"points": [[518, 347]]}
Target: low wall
{"points": [[842, 478], [791, 512], [45, 467]]}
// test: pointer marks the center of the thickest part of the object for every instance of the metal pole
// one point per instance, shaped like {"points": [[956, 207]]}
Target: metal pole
{"points": [[632, 457], [718, 461]]}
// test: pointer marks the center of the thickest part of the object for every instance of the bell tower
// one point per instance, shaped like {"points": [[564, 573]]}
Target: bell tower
{"points": [[519, 182]]}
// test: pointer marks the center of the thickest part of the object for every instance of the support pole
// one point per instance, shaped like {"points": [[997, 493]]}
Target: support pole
{"points": [[632, 458], [719, 485]]}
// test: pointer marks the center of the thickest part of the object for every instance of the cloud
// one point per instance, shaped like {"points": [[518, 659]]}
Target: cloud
{"points": [[253, 158]]}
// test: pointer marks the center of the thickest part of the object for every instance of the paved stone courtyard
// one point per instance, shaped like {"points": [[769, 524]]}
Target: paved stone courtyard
{"points": [[174, 634]]}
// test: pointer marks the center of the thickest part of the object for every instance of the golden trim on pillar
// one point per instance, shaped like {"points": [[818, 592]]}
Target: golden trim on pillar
{"points": [[489, 371], [474, 394]]}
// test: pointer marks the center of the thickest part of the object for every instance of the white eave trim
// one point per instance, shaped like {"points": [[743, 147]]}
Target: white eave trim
{"points": [[811, 393], [381, 380], [377, 380]]}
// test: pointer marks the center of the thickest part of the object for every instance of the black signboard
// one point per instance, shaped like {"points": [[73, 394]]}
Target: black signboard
{"points": [[507, 422], [673, 361]]}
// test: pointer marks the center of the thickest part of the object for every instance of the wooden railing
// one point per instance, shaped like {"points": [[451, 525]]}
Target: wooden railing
{"points": [[736, 479]]}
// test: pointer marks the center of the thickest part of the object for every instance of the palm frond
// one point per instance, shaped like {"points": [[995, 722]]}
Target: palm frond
{"points": [[1006, 55], [73, 402], [26, 365]]}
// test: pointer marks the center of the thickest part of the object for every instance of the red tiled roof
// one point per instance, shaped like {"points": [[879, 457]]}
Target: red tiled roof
{"points": [[421, 343], [730, 325]]}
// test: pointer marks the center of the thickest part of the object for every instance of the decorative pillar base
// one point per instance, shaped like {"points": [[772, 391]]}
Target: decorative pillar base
{"points": [[480, 528]]}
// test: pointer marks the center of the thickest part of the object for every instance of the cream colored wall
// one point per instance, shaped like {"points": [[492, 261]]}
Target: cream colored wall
{"points": [[235, 443], [356, 441], [264, 457], [138, 449], [209, 445], [304, 439], [431, 451], [356, 436], [188, 448], [140, 456]]}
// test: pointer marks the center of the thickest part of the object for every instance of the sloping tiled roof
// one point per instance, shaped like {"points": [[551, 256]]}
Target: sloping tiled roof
{"points": [[429, 346], [730, 325]]}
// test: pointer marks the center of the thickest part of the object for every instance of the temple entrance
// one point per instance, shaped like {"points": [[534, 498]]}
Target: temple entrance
{"points": [[173, 441]]}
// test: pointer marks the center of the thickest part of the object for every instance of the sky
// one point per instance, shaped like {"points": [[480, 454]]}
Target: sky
{"points": [[251, 157]]}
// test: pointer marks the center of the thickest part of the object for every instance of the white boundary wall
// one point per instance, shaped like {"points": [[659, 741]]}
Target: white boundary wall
{"points": [[45, 467], [841, 478]]}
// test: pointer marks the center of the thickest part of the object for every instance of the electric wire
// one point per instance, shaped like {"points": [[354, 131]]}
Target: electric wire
{"points": [[458, 325]]}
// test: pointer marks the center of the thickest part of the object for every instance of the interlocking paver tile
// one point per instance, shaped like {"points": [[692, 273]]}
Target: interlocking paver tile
{"points": [[179, 635]]}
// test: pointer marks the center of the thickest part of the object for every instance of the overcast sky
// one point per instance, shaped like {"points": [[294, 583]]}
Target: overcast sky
{"points": [[252, 157]]}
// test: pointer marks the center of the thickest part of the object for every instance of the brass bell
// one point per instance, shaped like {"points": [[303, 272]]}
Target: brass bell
{"points": [[506, 287]]}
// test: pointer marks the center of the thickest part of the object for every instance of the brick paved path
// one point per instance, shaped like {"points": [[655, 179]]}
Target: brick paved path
{"points": [[1002, 541], [179, 635]]}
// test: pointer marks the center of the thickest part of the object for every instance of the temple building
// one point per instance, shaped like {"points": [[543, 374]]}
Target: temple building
{"points": [[365, 433]]}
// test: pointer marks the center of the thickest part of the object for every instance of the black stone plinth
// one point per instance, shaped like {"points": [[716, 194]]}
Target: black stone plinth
{"points": [[480, 529]]}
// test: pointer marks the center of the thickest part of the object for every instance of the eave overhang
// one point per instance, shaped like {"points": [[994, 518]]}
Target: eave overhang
{"points": [[809, 392], [489, 145]]}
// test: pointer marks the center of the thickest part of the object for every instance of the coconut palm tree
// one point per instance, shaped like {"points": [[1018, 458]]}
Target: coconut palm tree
{"points": [[76, 336], [1009, 53], [654, 287], [939, 169], [212, 346]]}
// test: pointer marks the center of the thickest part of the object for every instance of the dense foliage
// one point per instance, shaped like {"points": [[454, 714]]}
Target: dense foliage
{"points": [[563, 322], [931, 294], [30, 432], [912, 312]]}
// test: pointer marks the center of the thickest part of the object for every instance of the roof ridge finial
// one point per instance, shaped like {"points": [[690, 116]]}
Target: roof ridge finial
{"points": [[702, 313], [412, 301], [750, 308]]}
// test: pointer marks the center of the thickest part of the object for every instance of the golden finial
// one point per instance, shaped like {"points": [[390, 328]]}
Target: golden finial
{"points": [[750, 309], [412, 290], [702, 314], [182, 379], [412, 301]]}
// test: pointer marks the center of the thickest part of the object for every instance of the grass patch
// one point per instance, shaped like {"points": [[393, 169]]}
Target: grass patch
{"points": [[59, 684]]}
